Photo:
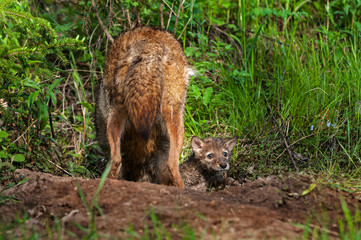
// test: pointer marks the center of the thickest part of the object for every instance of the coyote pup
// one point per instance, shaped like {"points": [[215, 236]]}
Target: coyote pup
{"points": [[208, 164], [140, 105]]}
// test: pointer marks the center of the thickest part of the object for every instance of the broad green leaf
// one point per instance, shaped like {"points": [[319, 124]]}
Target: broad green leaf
{"points": [[207, 96], [196, 91], [87, 105], [78, 128], [32, 97], [53, 99], [43, 115], [3, 134], [18, 158], [189, 51], [3, 154], [29, 83], [80, 169], [55, 84]]}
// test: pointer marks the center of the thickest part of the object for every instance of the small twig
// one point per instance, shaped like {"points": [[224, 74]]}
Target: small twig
{"points": [[232, 40], [170, 14], [82, 70], [302, 139], [56, 165], [128, 19], [284, 139], [113, 14], [25, 130], [169, 7], [65, 219], [139, 20], [177, 16], [101, 22], [295, 143], [180, 35], [161, 16]]}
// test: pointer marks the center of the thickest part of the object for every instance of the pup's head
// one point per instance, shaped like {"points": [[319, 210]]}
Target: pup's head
{"points": [[213, 153]]}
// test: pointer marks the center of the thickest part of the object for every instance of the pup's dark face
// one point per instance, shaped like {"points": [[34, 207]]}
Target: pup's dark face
{"points": [[213, 153]]}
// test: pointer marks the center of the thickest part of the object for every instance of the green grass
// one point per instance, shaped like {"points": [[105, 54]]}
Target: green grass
{"points": [[277, 74], [300, 87], [314, 95], [349, 227]]}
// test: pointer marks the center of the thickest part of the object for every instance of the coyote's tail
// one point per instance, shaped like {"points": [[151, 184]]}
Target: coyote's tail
{"points": [[143, 88]]}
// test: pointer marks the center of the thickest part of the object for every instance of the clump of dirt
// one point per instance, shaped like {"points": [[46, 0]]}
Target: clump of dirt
{"points": [[262, 209]]}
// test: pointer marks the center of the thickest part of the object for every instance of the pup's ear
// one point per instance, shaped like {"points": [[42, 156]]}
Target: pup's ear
{"points": [[230, 143], [197, 144]]}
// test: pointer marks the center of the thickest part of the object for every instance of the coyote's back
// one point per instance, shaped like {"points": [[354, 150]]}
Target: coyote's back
{"points": [[140, 105]]}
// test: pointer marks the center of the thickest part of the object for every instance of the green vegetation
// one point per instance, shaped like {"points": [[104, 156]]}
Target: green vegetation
{"points": [[349, 227], [30, 56], [282, 75]]}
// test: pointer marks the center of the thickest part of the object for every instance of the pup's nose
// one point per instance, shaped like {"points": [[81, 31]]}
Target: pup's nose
{"points": [[223, 165]]}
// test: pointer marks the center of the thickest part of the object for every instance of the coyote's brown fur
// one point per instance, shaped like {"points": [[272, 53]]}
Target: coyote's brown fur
{"points": [[140, 105], [207, 166]]}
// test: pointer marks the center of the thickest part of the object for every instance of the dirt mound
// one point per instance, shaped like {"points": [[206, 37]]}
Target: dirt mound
{"points": [[262, 209]]}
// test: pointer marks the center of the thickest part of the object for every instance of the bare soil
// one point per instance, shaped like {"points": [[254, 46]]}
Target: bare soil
{"points": [[262, 209]]}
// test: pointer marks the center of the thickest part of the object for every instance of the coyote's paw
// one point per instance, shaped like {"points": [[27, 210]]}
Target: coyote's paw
{"points": [[232, 182], [115, 169]]}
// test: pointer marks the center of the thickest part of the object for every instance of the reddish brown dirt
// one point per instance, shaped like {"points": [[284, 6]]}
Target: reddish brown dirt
{"points": [[262, 209]]}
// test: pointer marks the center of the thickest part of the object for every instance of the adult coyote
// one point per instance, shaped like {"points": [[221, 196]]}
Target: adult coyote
{"points": [[140, 105]]}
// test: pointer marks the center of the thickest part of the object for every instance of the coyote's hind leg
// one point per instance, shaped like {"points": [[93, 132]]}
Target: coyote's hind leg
{"points": [[115, 127], [175, 127]]}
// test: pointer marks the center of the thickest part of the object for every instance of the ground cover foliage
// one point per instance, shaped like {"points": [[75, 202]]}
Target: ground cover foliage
{"points": [[283, 75]]}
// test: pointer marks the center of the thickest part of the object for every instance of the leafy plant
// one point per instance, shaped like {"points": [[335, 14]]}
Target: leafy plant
{"points": [[30, 54]]}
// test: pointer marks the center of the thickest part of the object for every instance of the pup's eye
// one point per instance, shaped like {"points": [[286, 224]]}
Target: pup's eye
{"points": [[210, 156], [225, 154]]}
